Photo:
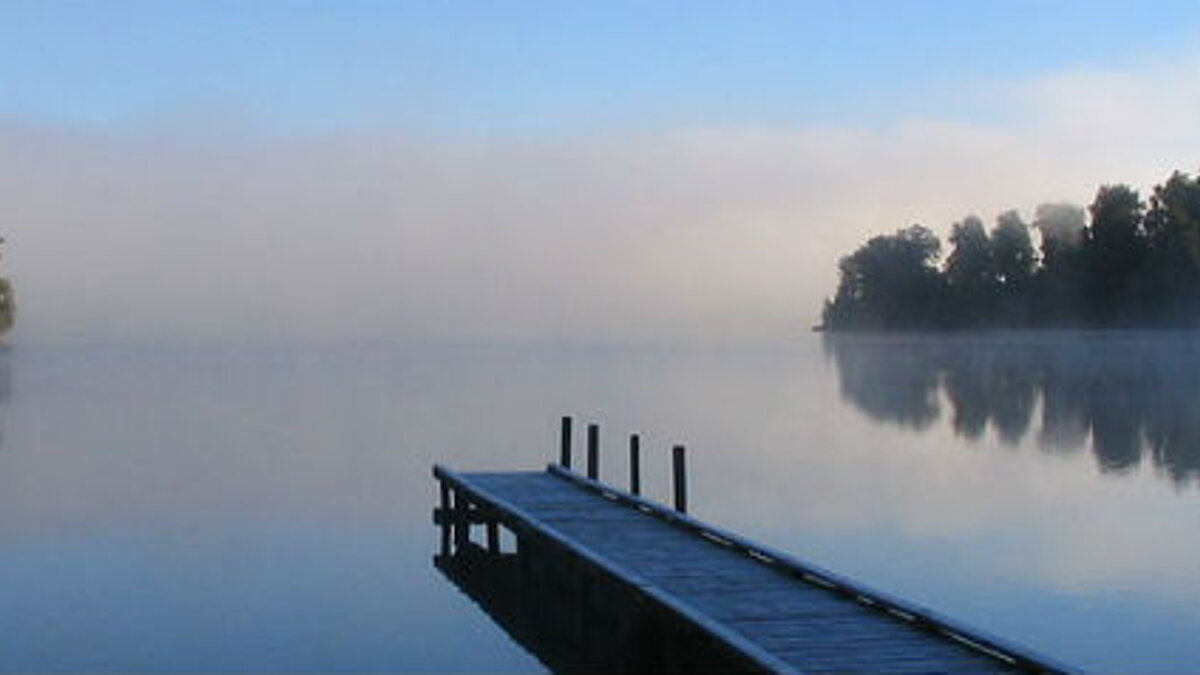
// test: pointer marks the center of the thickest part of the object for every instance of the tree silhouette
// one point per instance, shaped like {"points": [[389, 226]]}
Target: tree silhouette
{"points": [[1172, 274], [1015, 261], [1115, 247], [890, 282], [1057, 294], [1120, 263], [971, 271]]}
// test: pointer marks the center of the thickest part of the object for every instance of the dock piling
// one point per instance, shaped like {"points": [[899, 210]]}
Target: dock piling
{"points": [[680, 473], [593, 451], [635, 470], [462, 522], [493, 537], [445, 495], [564, 458]]}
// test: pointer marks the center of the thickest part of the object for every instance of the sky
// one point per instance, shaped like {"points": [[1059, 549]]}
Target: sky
{"points": [[542, 170]]}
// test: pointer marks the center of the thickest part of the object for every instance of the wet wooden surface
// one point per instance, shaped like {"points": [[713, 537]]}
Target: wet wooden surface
{"points": [[804, 623]]}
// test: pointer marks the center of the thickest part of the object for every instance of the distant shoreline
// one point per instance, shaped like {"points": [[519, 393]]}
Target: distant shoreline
{"points": [[1123, 262], [1015, 335]]}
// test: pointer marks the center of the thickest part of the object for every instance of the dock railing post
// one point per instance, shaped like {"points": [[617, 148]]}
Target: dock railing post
{"points": [[444, 488], [493, 537], [564, 458], [635, 469], [593, 451], [462, 523], [680, 472]]}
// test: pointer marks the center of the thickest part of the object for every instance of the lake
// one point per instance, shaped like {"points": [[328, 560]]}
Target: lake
{"points": [[267, 508]]}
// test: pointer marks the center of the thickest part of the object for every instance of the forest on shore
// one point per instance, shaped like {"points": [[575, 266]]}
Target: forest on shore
{"points": [[1121, 262]]}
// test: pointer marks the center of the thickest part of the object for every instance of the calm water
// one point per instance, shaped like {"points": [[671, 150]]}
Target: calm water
{"points": [[267, 508]]}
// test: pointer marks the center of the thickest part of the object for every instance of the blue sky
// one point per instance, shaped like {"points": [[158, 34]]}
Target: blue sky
{"points": [[549, 67]]}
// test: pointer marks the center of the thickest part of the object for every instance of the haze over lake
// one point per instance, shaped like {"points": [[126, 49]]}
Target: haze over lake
{"points": [[275, 260], [268, 508]]}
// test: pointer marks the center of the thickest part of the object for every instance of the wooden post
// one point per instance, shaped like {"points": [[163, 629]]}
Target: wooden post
{"points": [[593, 451], [445, 490], [462, 523], [564, 458], [493, 537], [680, 471], [635, 469]]}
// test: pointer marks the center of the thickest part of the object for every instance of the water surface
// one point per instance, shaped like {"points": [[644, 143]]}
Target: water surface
{"points": [[267, 508]]}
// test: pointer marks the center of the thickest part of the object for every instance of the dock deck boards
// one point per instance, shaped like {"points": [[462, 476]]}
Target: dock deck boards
{"points": [[802, 623]]}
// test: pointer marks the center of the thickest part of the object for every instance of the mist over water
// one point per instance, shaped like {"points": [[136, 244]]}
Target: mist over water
{"points": [[274, 262], [268, 507], [191, 232]]}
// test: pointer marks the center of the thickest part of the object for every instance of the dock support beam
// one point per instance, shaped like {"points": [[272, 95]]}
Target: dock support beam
{"points": [[593, 451], [445, 492], [680, 473], [493, 537], [564, 458], [635, 469], [462, 522]]}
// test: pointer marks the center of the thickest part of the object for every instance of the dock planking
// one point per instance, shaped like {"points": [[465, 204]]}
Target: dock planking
{"points": [[751, 607]]}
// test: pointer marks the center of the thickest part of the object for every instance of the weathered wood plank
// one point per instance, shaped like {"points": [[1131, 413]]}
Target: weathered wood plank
{"points": [[521, 520], [803, 617]]}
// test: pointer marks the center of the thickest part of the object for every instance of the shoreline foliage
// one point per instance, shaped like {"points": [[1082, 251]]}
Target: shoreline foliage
{"points": [[1121, 262]]}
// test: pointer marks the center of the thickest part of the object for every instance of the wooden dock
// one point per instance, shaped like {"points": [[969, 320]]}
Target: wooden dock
{"points": [[623, 583]]}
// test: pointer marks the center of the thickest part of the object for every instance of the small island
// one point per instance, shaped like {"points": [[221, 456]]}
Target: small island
{"points": [[1121, 263]]}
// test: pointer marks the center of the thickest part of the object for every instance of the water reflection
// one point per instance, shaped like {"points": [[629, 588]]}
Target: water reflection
{"points": [[575, 620], [248, 508], [1126, 397]]}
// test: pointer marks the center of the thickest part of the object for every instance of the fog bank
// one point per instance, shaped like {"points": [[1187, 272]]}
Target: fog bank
{"points": [[190, 233]]}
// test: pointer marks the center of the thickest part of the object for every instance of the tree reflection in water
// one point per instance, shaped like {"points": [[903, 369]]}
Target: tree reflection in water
{"points": [[1124, 395]]}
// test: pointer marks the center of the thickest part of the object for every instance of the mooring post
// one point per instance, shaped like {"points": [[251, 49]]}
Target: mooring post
{"points": [[593, 451], [635, 471], [680, 472], [564, 457]]}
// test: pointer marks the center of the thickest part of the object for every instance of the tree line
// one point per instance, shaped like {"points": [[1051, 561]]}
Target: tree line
{"points": [[1121, 262]]}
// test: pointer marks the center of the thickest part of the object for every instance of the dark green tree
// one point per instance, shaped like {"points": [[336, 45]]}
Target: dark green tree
{"points": [[1114, 248], [1015, 262], [1012, 250], [1061, 228], [1058, 285], [1171, 274], [890, 282], [970, 272]]}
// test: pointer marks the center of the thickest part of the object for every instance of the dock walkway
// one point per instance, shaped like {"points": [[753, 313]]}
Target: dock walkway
{"points": [[775, 613]]}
